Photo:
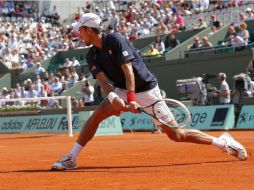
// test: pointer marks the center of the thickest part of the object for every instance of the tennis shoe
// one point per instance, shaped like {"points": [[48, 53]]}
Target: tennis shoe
{"points": [[233, 147], [64, 163]]}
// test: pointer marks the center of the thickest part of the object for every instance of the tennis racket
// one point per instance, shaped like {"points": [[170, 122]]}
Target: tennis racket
{"points": [[160, 111]]}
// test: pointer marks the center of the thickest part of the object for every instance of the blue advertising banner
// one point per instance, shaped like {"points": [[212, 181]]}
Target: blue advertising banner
{"points": [[38, 123], [246, 117], [109, 126], [212, 117], [134, 122], [57, 123], [202, 117]]}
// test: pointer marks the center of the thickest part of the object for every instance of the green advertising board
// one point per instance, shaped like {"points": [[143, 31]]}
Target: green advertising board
{"points": [[246, 117], [57, 123]]}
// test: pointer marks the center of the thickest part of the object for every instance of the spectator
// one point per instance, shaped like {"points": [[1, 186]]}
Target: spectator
{"points": [[74, 102], [57, 86], [206, 43], [75, 62], [82, 77], [180, 21], [133, 35], [244, 33], [81, 103], [201, 23], [46, 86], [230, 32], [204, 5], [32, 93], [200, 6], [4, 95], [224, 93], [56, 105], [39, 69], [44, 103], [213, 31], [249, 14], [242, 17], [215, 22], [161, 28], [88, 91], [195, 45], [171, 41], [159, 45], [237, 41], [72, 81], [152, 51]]}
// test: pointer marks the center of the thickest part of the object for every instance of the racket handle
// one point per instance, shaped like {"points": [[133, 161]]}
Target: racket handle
{"points": [[140, 109]]}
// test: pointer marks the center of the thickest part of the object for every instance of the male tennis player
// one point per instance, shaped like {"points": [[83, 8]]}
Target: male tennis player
{"points": [[125, 80]]}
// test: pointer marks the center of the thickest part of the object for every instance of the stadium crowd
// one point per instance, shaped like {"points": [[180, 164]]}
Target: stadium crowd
{"points": [[28, 39]]}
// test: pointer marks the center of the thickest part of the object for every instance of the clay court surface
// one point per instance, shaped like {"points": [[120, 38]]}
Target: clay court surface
{"points": [[131, 161]]}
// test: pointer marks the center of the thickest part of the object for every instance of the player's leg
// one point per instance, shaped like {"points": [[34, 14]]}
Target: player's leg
{"points": [[224, 142], [105, 110]]}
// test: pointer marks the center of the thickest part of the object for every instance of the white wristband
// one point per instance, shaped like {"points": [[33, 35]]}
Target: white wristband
{"points": [[112, 96]]}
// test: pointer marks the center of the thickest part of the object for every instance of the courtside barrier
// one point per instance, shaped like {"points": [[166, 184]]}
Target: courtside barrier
{"points": [[215, 117], [246, 117], [57, 123], [109, 126], [38, 123], [136, 122]]}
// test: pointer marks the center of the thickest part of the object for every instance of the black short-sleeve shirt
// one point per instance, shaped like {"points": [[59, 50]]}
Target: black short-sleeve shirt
{"points": [[116, 50]]}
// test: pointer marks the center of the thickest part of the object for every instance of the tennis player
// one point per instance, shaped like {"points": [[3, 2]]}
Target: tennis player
{"points": [[125, 79]]}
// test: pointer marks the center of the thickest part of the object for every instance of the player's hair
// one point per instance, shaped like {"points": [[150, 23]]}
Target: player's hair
{"points": [[96, 30]]}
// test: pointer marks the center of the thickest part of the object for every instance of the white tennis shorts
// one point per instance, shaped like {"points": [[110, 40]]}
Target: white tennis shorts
{"points": [[147, 98]]}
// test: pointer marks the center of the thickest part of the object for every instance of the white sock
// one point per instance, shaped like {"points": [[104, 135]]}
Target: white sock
{"points": [[76, 150], [218, 143]]}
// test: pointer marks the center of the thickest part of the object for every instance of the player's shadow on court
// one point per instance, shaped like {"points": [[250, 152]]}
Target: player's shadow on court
{"points": [[120, 169]]}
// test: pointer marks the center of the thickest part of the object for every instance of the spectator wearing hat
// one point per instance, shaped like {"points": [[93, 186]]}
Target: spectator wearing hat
{"points": [[249, 14], [195, 45], [38, 69], [244, 33]]}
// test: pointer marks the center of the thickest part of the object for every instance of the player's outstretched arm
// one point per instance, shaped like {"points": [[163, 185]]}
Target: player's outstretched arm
{"points": [[107, 87]]}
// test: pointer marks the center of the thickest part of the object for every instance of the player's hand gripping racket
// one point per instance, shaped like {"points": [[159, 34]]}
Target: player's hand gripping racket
{"points": [[160, 110]]}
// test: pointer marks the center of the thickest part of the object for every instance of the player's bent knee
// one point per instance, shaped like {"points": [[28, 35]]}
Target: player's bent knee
{"points": [[177, 135]]}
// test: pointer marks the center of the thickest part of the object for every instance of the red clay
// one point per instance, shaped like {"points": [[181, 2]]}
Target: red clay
{"points": [[132, 161]]}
